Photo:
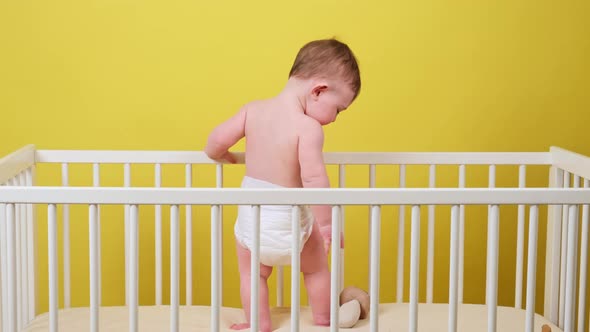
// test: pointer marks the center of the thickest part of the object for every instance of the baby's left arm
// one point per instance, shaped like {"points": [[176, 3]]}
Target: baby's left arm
{"points": [[225, 136]]}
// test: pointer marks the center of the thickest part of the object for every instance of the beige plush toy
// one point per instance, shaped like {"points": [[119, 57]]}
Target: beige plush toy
{"points": [[354, 305]]}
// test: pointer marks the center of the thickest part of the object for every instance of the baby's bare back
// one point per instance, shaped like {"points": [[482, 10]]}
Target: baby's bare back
{"points": [[272, 136]]}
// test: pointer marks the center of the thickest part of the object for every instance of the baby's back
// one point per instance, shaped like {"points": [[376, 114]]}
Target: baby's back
{"points": [[272, 133]]}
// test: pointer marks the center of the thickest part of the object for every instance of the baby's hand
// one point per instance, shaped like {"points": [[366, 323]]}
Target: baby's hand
{"points": [[227, 157], [326, 232]]}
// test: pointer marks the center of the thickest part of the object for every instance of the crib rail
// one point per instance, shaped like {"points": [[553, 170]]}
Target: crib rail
{"points": [[566, 168], [331, 158], [16, 163], [570, 162], [296, 196]]}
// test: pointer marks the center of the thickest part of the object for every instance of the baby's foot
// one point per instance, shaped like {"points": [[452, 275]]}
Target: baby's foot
{"points": [[244, 326], [240, 326]]}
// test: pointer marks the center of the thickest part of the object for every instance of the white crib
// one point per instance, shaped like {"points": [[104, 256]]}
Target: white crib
{"points": [[565, 277]]}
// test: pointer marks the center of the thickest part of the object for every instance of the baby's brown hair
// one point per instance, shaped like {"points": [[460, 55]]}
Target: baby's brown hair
{"points": [[327, 58]]}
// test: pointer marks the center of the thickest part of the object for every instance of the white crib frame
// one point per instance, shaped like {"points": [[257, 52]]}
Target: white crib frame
{"points": [[18, 237]]}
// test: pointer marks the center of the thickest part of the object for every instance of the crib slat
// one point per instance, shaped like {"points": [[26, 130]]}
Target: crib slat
{"points": [[400, 239], [491, 181], [563, 268], [520, 242], [11, 267], [583, 266], [341, 184], [219, 184], [492, 267], [3, 267], [189, 240], [414, 268], [18, 241], [255, 270], [571, 266], [66, 239], [23, 257], [454, 269], [127, 184], [53, 279], [31, 240], [372, 180], [335, 273], [96, 183], [532, 268], [576, 184], [20, 254], [461, 235], [492, 176], [93, 242], [375, 267], [280, 286], [158, 236], [295, 268], [133, 268], [174, 268], [219, 175], [215, 266], [492, 259], [430, 243]]}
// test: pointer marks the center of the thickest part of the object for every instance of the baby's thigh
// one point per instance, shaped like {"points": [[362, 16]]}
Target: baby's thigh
{"points": [[313, 256]]}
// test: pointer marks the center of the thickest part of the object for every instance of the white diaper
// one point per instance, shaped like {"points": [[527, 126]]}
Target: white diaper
{"points": [[275, 227]]}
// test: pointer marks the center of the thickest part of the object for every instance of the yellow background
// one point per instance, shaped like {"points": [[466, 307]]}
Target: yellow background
{"points": [[151, 75]]}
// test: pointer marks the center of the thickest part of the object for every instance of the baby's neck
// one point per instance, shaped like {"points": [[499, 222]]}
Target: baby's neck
{"points": [[293, 94]]}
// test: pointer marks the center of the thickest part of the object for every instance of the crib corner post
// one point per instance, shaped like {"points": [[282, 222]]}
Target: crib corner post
{"points": [[32, 247], [552, 250]]}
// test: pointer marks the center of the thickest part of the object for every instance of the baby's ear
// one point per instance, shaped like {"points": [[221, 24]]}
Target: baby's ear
{"points": [[318, 89]]}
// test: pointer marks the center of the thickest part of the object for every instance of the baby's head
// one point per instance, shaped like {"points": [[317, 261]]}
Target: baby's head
{"points": [[333, 68], [328, 58]]}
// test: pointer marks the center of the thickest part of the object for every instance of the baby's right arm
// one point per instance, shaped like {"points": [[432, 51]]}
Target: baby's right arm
{"points": [[311, 162], [313, 173]]}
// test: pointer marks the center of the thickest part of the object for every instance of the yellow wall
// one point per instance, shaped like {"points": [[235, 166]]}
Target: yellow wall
{"points": [[437, 76]]}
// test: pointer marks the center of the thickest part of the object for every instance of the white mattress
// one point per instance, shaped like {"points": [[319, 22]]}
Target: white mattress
{"points": [[392, 317]]}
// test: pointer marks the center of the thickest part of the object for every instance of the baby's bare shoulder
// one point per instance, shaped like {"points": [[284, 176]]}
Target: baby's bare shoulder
{"points": [[259, 104], [249, 106], [307, 125]]}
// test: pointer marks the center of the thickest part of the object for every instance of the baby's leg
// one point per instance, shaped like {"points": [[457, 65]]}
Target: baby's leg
{"points": [[245, 291], [314, 265]]}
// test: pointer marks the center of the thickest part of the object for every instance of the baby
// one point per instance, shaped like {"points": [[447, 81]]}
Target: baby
{"points": [[284, 141]]}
